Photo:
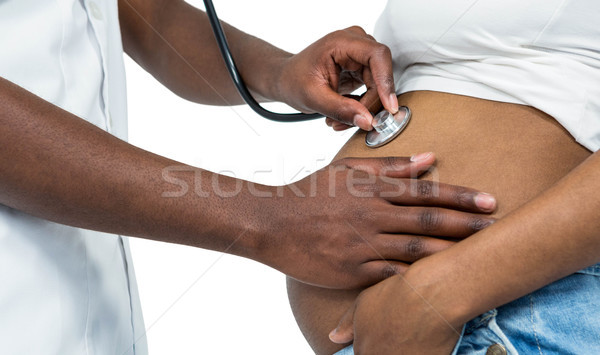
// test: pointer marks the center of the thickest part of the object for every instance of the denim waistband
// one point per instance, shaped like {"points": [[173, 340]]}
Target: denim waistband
{"points": [[591, 270]]}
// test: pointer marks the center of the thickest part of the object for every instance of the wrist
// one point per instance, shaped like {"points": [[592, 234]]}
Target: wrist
{"points": [[255, 216], [260, 65], [228, 215], [438, 285], [272, 83]]}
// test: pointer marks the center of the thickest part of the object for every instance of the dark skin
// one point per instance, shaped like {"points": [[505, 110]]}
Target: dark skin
{"points": [[59, 167], [174, 42], [548, 202]]}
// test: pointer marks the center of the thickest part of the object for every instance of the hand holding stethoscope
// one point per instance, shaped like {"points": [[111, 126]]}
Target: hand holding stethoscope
{"points": [[343, 60]]}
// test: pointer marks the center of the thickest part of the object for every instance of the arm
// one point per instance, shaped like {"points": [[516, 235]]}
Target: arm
{"points": [[557, 234], [59, 167], [174, 42], [550, 237]]}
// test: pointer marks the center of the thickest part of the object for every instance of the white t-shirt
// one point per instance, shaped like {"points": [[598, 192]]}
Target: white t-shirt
{"points": [[66, 290], [541, 53]]}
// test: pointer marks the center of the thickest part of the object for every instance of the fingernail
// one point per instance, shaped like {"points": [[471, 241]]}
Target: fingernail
{"points": [[332, 335], [338, 126], [393, 103], [362, 121], [485, 201], [420, 157]]}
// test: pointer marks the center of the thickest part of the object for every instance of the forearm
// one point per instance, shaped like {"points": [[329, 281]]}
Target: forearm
{"points": [[57, 166], [174, 42], [551, 237]]}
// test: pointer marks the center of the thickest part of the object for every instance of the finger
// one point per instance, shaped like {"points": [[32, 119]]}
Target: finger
{"points": [[432, 221], [378, 270], [350, 67], [343, 109], [407, 248], [395, 167], [344, 332], [380, 68], [378, 58], [339, 126], [356, 30], [371, 101], [432, 193], [370, 98]]}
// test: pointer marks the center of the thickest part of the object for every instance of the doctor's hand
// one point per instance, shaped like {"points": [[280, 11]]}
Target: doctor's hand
{"points": [[334, 227], [316, 79]]}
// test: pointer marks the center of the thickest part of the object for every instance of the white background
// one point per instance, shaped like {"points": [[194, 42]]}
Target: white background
{"points": [[202, 302]]}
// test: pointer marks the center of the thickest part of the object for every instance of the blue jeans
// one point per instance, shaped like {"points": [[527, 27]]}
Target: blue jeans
{"points": [[561, 318]]}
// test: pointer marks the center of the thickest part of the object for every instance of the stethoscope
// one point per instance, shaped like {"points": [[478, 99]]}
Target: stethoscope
{"points": [[386, 126]]}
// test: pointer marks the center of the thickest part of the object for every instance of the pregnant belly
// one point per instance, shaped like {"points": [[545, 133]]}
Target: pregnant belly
{"points": [[511, 151]]}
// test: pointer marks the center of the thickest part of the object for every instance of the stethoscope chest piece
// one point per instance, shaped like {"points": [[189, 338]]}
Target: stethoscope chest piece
{"points": [[386, 126]]}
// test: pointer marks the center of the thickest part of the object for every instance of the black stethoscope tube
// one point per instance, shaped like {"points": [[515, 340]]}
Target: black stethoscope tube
{"points": [[237, 78]]}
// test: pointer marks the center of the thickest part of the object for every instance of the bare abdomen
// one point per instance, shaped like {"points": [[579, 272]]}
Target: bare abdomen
{"points": [[511, 151]]}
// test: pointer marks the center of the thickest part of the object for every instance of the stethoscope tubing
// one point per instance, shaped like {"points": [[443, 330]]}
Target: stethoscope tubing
{"points": [[237, 78]]}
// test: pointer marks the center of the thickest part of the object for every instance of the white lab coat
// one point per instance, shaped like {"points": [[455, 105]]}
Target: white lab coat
{"points": [[66, 290]]}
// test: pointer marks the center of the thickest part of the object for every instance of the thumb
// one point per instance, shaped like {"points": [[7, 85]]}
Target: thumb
{"points": [[396, 167], [343, 109], [344, 332]]}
